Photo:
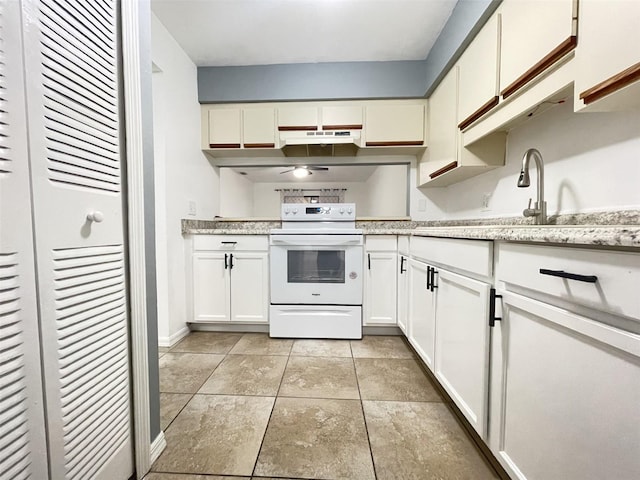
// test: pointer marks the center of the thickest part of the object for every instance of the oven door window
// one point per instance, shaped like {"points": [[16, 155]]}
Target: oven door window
{"points": [[315, 266]]}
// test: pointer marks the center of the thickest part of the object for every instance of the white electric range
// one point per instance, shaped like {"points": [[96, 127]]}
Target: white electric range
{"points": [[316, 267]]}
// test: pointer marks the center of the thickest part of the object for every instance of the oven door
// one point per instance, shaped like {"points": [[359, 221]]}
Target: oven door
{"points": [[316, 269]]}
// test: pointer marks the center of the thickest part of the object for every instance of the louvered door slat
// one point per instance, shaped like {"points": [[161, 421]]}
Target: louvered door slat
{"points": [[74, 108], [22, 441], [55, 19]]}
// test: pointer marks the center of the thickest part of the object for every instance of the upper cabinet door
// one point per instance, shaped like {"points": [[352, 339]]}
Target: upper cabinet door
{"points": [[608, 57], [535, 35], [224, 128], [259, 127], [443, 133], [343, 117], [479, 68], [298, 118], [391, 125]]}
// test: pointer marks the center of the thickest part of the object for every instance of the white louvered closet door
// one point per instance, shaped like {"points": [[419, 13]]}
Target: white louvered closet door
{"points": [[73, 104], [22, 434]]}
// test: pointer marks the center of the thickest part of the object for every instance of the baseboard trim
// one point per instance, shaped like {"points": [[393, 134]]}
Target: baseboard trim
{"points": [[157, 447], [173, 339], [229, 327]]}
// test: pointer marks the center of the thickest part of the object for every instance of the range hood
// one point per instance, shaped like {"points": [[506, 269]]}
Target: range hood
{"points": [[328, 143]]}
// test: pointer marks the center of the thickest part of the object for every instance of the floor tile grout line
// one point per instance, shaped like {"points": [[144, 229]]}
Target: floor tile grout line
{"points": [[364, 418], [273, 407]]}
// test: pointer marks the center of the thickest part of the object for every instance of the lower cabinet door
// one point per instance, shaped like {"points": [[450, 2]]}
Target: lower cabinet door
{"points": [[380, 288], [211, 287], [565, 398], [250, 287], [403, 293], [421, 320], [462, 344]]}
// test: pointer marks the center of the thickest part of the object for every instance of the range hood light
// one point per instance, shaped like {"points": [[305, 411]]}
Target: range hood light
{"points": [[301, 172]]}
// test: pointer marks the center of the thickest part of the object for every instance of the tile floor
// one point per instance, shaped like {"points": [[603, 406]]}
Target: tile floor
{"points": [[237, 406]]}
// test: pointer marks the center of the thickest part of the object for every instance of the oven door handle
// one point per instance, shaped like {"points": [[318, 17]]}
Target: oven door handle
{"points": [[316, 243]]}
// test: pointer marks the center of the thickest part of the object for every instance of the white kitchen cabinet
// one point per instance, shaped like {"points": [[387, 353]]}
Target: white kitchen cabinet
{"points": [[341, 117], [462, 343], [392, 124], [258, 127], [447, 161], [478, 74], [421, 322], [380, 293], [403, 283], [298, 117], [224, 128], [608, 57], [230, 279], [536, 34], [565, 402], [566, 363], [448, 318]]}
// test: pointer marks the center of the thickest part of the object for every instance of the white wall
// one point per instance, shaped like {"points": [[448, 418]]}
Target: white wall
{"points": [[236, 198], [387, 191], [592, 163], [183, 173]]}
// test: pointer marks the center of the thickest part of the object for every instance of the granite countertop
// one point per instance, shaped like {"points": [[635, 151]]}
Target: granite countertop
{"points": [[617, 229]]}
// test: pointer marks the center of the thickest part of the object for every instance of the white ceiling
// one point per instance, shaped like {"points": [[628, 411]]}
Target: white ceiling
{"points": [[336, 173], [264, 32]]}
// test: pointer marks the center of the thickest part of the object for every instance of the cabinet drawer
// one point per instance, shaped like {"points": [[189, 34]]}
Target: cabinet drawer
{"points": [[616, 288], [380, 242], [231, 242], [403, 244], [473, 256]]}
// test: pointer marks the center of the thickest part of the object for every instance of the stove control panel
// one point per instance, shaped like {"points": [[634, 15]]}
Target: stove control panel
{"points": [[320, 212]]}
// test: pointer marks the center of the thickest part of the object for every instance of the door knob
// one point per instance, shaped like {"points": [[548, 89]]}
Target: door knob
{"points": [[96, 216]]}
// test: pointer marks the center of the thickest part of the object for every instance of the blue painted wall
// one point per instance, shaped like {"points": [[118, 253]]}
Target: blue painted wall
{"points": [[349, 80]]}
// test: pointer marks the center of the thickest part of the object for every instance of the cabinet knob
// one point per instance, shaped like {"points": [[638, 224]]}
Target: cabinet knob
{"points": [[96, 216]]}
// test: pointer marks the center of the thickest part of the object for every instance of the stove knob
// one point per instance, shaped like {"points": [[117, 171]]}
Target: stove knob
{"points": [[341, 211], [349, 211], [295, 210]]}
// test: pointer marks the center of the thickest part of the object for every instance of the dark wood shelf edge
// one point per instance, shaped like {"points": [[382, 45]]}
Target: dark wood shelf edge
{"points": [[353, 126], [552, 57], [259, 145], [298, 128], [409, 143], [445, 169], [224, 145], [479, 113], [610, 85]]}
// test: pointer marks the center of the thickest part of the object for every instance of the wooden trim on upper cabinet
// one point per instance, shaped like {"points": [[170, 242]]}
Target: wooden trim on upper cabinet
{"points": [[478, 113], [445, 169], [407, 143], [610, 85], [259, 145], [342, 127], [552, 57], [297, 128], [224, 145]]}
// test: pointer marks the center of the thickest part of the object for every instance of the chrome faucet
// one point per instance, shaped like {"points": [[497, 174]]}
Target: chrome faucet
{"points": [[539, 210]]}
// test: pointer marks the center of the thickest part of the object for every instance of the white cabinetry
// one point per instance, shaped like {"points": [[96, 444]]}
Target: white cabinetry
{"points": [[299, 117], [608, 57], [566, 364], [341, 117], [448, 318], [230, 279], [258, 127], [380, 299], [535, 35], [224, 128], [403, 283], [391, 124], [447, 161]]}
